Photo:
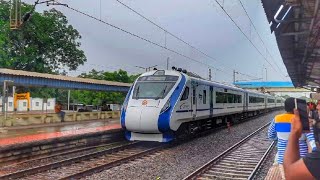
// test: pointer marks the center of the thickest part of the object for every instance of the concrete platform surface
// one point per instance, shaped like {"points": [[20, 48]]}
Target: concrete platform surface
{"points": [[27, 134]]}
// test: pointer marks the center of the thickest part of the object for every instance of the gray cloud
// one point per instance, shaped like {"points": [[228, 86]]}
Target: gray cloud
{"points": [[202, 23]]}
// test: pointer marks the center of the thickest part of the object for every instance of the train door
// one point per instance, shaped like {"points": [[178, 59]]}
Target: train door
{"points": [[194, 102], [211, 101], [246, 103], [265, 102]]}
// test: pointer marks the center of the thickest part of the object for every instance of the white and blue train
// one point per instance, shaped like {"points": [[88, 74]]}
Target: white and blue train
{"points": [[164, 104]]}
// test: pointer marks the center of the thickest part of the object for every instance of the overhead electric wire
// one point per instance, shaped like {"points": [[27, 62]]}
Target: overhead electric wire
{"points": [[173, 35], [144, 39], [245, 35], [254, 27]]}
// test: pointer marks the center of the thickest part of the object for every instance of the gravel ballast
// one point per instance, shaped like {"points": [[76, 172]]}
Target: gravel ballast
{"points": [[179, 161], [263, 171]]}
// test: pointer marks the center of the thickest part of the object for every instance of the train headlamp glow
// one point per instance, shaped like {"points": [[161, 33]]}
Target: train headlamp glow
{"points": [[166, 106]]}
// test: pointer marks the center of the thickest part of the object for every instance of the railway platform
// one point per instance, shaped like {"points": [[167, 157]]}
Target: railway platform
{"points": [[44, 132], [21, 142]]}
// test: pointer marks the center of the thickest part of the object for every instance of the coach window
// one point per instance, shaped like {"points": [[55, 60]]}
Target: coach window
{"points": [[230, 98], [270, 100], [220, 97], [261, 100], [204, 96], [237, 99], [185, 94]]}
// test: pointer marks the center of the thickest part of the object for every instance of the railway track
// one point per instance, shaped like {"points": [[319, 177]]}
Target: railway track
{"points": [[87, 164], [42, 150], [43, 160], [240, 161]]}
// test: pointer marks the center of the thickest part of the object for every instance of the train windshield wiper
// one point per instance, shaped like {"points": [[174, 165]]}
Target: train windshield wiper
{"points": [[137, 93], [162, 93]]}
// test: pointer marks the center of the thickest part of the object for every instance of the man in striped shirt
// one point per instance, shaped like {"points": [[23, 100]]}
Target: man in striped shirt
{"points": [[279, 130]]}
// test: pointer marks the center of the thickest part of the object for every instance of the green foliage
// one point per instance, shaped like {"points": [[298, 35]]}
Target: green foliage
{"points": [[119, 76], [100, 98], [45, 43], [96, 98]]}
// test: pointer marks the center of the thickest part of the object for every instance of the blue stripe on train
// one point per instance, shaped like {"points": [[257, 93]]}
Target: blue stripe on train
{"points": [[164, 118], [127, 134], [167, 137]]}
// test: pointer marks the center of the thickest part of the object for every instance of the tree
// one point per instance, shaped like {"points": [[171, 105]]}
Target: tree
{"points": [[100, 98], [45, 43]]}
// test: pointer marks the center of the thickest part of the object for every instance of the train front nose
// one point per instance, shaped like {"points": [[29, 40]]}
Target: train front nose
{"points": [[142, 119]]}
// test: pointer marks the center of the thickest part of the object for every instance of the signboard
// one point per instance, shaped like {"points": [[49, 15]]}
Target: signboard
{"points": [[21, 96]]}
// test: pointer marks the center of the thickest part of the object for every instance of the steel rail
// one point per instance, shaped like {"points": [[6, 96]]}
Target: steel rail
{"points": [[254, 172], [58, 164], [209, 164], [112, 164]]}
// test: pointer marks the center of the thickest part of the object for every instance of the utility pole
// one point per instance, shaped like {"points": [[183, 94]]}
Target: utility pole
{"points": [[68, 99], [5, 98], [234, 76], [4, 90], [13, 96], [168, 63], [210, 76], [266, 74], [15, 14]]}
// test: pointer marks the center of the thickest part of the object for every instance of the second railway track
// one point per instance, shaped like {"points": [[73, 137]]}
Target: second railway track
{"points": [[241, 161], [84, 165]]}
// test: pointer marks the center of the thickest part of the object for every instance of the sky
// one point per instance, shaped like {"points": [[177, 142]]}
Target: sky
{"points": [[202, 24]]}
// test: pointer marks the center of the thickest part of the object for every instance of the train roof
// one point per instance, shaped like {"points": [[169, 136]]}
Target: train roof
{"points": [[200, 79], [231, 87]]}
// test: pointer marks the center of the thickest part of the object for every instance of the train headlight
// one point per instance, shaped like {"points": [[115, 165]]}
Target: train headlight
{"points": [[166, 106]]}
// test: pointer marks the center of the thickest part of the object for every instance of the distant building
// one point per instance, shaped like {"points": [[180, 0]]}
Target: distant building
{"points": [[36, 104]]}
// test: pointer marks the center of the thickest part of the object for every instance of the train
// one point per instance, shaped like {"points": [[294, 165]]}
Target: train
{"points": [[163, 105]]}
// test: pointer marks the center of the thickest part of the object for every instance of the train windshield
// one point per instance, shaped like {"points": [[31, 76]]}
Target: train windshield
{"points": [[153, 87]]}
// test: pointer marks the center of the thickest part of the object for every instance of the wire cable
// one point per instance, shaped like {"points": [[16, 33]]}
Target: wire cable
{"points": [[144, 39], [245, 35], [173, 35], [254, 27]]}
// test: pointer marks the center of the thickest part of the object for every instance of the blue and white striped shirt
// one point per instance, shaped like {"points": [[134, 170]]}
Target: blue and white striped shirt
{"points": [[279, 130]]}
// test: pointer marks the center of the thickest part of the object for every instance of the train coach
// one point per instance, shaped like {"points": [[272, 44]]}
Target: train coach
{"points": [[164, 104]]}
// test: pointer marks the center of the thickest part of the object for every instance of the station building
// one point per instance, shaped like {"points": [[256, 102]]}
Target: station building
{"points": [[36, 104]]}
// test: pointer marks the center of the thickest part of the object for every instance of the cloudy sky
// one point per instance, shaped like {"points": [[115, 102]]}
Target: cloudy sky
{"points": [[201, 23]]}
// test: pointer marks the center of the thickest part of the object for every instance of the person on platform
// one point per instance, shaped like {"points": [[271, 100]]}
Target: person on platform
{"points": [[313, 110], [296, 167], [58, 110], [279, 130]]}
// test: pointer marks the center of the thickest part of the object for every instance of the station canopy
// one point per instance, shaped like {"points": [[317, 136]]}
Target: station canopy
{"points": [[296, 25]]}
